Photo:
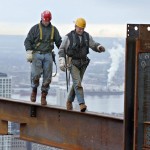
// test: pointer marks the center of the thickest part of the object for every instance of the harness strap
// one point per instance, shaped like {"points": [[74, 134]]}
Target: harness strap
{"points": [[52, 34], [41, 35], [74, 40]]}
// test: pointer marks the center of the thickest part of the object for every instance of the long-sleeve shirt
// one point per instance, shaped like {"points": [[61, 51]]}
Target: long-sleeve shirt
{"points": [[66, 42]]}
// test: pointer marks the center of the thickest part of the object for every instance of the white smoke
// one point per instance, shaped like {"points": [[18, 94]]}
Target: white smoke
{"points": [[117, 56]]}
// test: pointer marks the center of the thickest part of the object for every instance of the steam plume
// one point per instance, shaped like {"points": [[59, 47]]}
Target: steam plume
{"points": [[117, 56]]}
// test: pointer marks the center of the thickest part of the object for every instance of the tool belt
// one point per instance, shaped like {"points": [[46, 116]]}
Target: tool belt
{"points": [[79, 63]]}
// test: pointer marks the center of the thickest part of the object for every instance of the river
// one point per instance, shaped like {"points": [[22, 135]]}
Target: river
{"points": [[112, 104]]}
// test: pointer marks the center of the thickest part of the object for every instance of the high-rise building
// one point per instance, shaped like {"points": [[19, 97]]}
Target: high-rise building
{"points": [[5, 85]]}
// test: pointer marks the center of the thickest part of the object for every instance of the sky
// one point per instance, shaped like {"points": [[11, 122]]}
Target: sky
{"points": [[105, 18]]}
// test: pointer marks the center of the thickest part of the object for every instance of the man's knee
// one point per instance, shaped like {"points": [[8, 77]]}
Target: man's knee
{"points": [[46, 83], [36, 80], [78, 85]]}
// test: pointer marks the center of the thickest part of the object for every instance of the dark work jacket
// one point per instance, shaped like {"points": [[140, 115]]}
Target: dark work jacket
{"points": [[79, 47], [33, 38]]}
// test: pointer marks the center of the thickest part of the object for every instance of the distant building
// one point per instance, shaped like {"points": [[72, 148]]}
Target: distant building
{"points": [[42, 147], [5, 85], [3, 74], [10, 142]]}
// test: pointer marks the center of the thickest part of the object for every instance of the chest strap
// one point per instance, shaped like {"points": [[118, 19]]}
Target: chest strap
{"points": [[41, 36]]}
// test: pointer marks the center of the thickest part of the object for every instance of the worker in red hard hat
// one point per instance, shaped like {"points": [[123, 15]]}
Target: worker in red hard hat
{"points": [[39, 44], [46, 17]]}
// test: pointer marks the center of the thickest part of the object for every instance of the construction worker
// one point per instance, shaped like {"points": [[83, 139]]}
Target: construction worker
{"points": [[76, 46], [39, 44]]}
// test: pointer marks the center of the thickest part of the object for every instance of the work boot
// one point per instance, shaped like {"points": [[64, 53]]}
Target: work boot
{"points": [[33, 95], [83, 107], [69, 105], [43, 98]]}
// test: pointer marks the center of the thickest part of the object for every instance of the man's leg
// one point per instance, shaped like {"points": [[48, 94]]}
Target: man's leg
{"points": [[70, 99], [83, 107], [36, 70], [47, 75], [77, 76]]}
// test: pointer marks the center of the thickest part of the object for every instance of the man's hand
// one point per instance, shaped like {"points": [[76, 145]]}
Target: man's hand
{"points": [[62, 63], [29, 55], [101, 49]]}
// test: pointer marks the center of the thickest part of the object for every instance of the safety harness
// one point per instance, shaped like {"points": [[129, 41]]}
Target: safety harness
{"points": [[41, 36]]}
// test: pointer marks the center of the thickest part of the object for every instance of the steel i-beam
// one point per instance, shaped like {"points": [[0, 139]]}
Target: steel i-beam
{"points": [[57, 127]]}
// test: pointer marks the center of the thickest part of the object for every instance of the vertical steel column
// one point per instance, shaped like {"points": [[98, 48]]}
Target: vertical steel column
{"points": [[132, 34], [137, 88], [142, 98]]}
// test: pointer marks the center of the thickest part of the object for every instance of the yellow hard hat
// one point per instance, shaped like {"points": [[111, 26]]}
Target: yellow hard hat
{"points": [[80, 22]]}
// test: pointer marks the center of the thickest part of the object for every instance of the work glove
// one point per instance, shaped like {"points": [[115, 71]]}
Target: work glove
{"points": [[62, 63], [101, 48], [29, 55]]}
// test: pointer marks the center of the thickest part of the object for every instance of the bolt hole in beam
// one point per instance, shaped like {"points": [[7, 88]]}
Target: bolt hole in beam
{"points": [[148, 28], [135, 28]]}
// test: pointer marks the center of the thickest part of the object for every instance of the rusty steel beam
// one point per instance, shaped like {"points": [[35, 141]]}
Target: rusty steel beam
{"points": [[137, 87], [132, 34], [57, 127], [142, 87], [3, 127], [142, 84]]}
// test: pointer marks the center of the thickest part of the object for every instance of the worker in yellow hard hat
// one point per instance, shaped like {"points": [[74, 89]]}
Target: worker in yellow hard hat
{"points": [[80, 22], [76, 46]]}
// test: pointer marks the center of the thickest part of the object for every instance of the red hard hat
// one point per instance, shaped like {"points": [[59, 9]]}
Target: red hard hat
{"points": [[46, 16]]}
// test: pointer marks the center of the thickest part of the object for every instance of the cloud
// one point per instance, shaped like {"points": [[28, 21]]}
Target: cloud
{"points": [[107, 30], [109, 17], [96, 30]]}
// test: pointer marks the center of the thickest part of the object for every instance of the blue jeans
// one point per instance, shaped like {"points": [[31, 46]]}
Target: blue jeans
{"points": [[77, 89], [42, 64]]}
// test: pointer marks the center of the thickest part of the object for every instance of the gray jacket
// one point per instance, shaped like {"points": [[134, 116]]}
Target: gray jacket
{"points": [[65, 44]]}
